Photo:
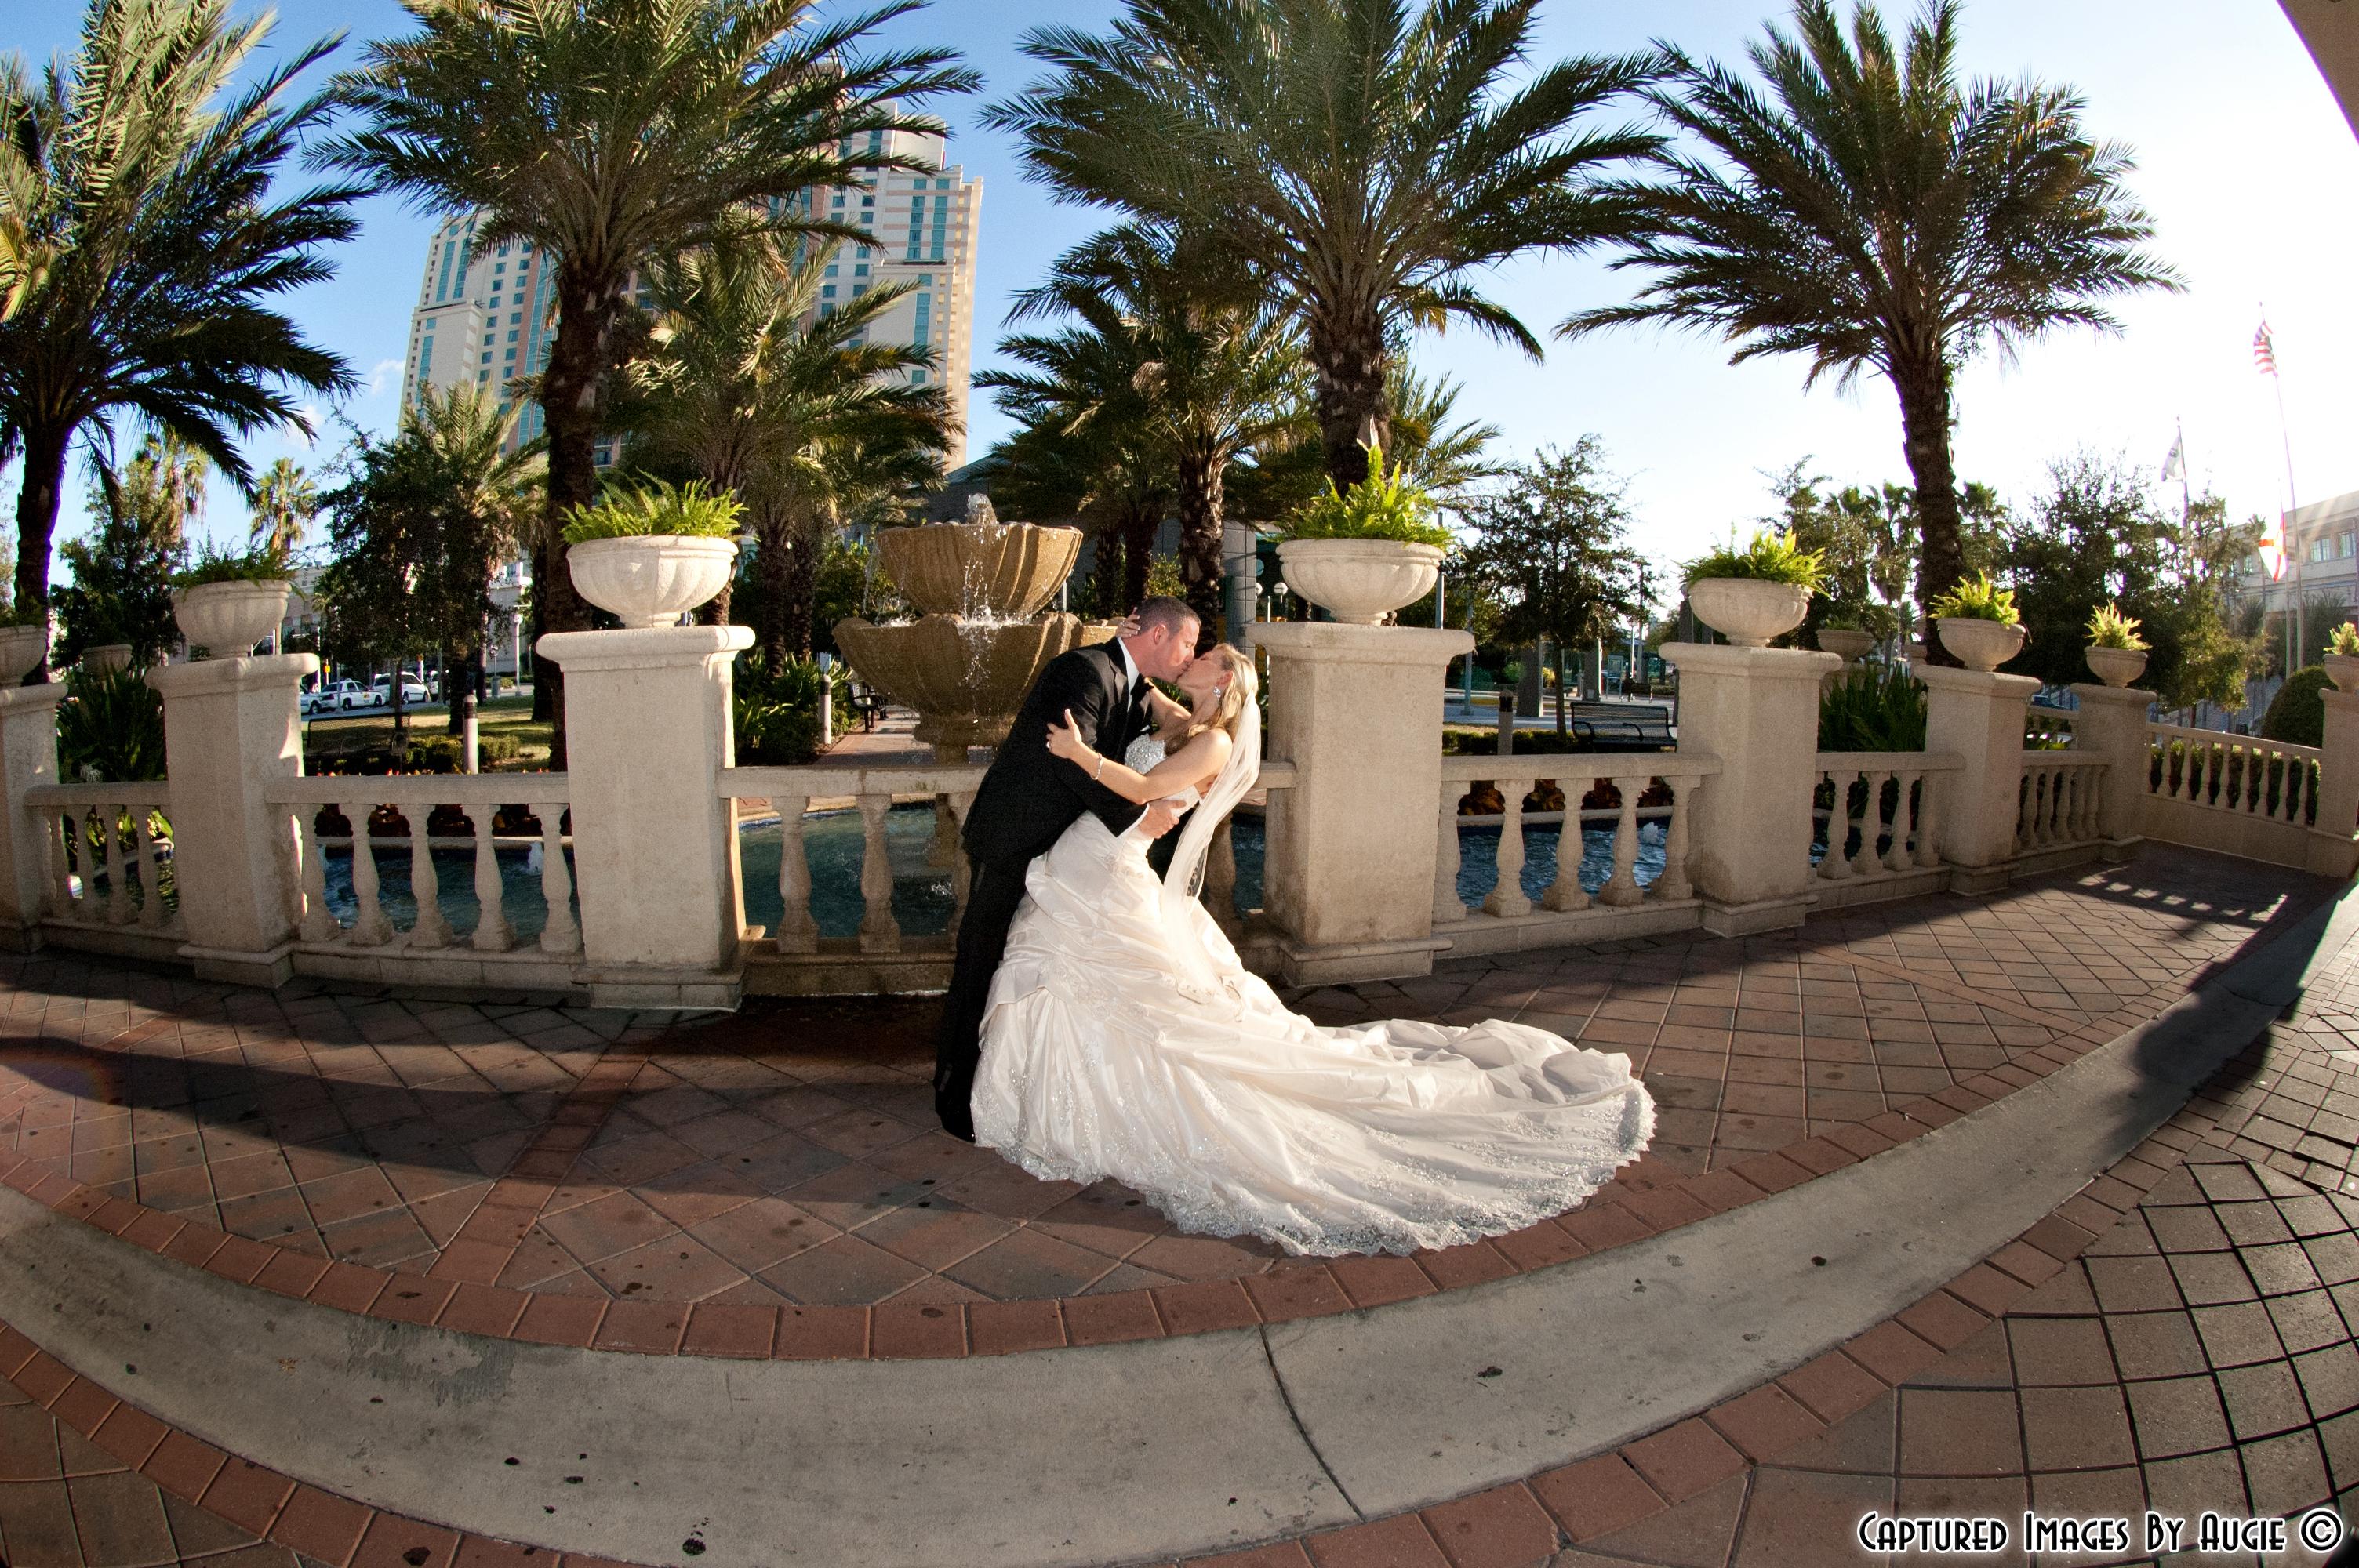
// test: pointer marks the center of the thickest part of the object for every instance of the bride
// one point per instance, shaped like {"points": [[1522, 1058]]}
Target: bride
{"points": [[1124, 1039]]}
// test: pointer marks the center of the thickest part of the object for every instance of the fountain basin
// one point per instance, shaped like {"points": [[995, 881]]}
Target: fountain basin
{"points": [[985, 571], [965, 679]]}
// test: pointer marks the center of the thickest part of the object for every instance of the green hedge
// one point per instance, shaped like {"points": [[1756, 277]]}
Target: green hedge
{"points": [[2297, 713]]}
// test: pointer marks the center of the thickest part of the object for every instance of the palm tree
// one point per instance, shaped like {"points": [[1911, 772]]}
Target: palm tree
{"points": [[1107, 473], [612, 133], [764, 391], [285, 500], [1208, 369], [1367, 156], [138, 189], [1873, 211]]}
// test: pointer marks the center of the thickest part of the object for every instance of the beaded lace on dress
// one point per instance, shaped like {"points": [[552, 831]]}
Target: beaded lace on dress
{"points": [[1124, 1039]]}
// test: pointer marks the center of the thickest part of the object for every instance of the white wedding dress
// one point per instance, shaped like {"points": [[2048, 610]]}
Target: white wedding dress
{"points": [[1124, 1039]]}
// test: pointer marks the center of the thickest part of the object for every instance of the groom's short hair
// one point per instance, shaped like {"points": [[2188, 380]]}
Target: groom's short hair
{"points": [[1172, 614]]}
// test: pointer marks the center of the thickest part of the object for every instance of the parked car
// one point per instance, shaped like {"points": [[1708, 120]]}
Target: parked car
{"points": [[413, 691], [337, 696]]}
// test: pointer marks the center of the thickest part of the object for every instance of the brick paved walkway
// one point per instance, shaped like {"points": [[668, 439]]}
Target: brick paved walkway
{"points": [[2181, 1338], [787, 1154]]}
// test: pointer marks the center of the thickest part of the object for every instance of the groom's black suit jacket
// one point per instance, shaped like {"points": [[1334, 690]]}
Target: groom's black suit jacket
{"points": [[1029, 796]]}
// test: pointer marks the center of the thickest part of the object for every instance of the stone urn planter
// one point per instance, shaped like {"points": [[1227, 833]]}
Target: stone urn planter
{"points": [[21, 648], [2342, 669], [650, 580], [2119, 666], [1748, 611], [1981, 644], [1359, 582], [1849, 645], [227, 619], [105, 658]]}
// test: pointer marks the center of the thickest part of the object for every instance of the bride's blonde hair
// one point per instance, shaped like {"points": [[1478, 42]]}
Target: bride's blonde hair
{"points": [[1239, 684]]}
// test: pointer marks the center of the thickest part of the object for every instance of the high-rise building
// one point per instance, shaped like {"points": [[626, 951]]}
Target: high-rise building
{"points": [[486, 315]]}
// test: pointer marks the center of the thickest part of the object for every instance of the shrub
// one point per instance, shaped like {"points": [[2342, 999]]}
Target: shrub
{"points": [[1978, 598], [688, 511], [1873, 709], [110, 728], [2297, 713], [774, 711], [1382, 506], [261, 566], [1771, 557], [2109, 628]]}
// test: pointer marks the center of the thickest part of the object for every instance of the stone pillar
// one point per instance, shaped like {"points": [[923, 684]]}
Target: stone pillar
{"points": [[1758, 710], [2111, 720], [230, 728], [2333, 852], [28, 758], [655, 847], [1979, 718], [1349, 874]]}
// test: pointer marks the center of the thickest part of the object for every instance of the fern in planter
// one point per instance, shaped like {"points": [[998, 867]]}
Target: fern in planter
{"points": [[110, 728]]}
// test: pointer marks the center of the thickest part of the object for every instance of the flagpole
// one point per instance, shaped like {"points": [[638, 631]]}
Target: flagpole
{"points": [[2264, 354]]}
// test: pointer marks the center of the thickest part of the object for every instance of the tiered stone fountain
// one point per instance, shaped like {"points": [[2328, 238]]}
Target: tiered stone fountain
{"points": [[980, 641]]}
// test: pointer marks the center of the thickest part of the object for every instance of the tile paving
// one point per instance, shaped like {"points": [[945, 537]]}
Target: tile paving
{"points": [[786, 1155]]}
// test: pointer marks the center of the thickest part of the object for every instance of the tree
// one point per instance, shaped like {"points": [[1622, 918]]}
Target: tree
{"points": [[767, 393], [121, 587], [613, 133], [1874, 212], [141, 182], [1204, 366], [420, 524], [2096, 537], [1367, 156], [285, 502], [1552, 545]]}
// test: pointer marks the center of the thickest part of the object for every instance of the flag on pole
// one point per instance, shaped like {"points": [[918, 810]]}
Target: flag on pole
{"points": [[2265, 353], [2175, 465], [2271, 549]]}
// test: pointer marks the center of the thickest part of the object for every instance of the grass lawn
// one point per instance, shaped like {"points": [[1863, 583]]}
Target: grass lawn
{"points": [[501, 715]]}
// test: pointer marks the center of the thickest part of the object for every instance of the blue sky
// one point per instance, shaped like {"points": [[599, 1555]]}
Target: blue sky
{"points": [[2245, 161]]}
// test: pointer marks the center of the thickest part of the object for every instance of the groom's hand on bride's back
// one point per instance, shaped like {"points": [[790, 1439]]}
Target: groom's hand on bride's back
{"points": [[1160, 819]]}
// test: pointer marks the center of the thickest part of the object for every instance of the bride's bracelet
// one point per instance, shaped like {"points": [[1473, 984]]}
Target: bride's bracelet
{"points": [[1099, 772]]}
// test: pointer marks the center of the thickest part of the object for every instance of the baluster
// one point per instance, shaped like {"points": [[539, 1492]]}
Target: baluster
{"points": [[317, 924], [1221, 862], [432, 929], [493, 932], [879, 931], [2092, 803], [1673, 882], [1622, 888], [1868, 863], [2026, 811], [370, 928], [120, 910], [561, 934], [1566, 893], [151, 867], [99, 865], [1835, 864], [1448, 908], [797, 932], [1904, 821], [2297, 774], [1929, 839], [1508, 898]]}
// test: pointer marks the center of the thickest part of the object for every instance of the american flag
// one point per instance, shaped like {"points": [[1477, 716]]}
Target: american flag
{"points": [[2265, 353]]}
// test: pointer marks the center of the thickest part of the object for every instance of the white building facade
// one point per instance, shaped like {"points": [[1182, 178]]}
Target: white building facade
{"points": [[486, 315]]}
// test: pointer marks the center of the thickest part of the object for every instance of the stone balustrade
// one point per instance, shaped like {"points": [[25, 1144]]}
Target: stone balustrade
{"points": [[1642, 788], [1879, 820], [372, 815], [639, 896], [2062, 800], [108, 860]]}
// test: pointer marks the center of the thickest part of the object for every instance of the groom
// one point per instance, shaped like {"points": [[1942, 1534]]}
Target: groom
{"points": [[1030, 797]]}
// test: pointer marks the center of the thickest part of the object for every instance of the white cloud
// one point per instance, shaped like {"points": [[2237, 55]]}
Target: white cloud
{"points": [[382, 376], [305, 427]]}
